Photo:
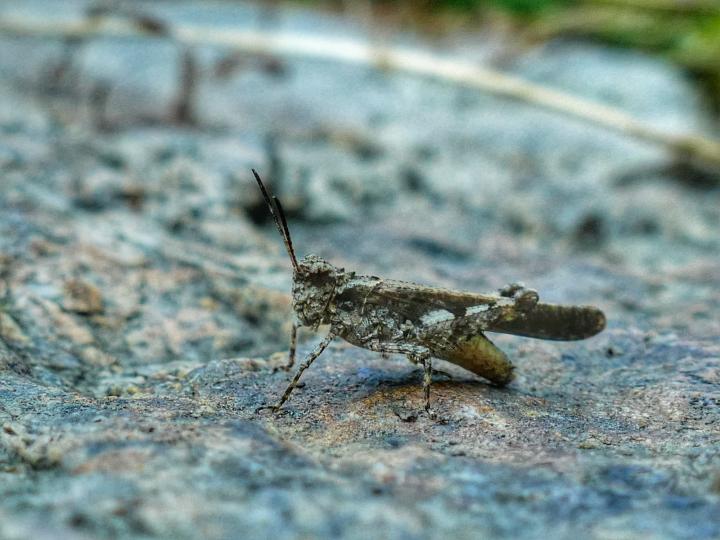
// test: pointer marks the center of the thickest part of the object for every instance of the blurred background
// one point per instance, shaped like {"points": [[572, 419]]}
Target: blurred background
{"points": [[572, 146], [129, 128]]}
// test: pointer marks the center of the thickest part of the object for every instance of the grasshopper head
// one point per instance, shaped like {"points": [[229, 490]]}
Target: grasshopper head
{"points": [[314, 285]]}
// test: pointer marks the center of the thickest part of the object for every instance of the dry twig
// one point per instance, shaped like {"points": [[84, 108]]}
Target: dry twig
{"points": [[685, 146]]}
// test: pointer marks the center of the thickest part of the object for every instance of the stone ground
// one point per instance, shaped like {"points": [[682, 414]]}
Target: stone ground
{"points": [[144, 294]]}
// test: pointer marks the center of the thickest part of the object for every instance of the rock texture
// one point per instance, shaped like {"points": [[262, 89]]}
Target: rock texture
{"points": [[144, 294]]}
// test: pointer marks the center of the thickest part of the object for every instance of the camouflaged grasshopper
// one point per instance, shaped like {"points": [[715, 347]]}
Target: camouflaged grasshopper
{"points": [[421, 322]]}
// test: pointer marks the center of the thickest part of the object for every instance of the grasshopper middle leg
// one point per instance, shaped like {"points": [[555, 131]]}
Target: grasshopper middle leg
{"points": [[426, 361], [435, 372]]}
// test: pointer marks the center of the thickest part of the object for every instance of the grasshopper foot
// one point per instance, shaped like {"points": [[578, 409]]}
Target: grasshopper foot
{"points": [[285, 368], [274, 408]]}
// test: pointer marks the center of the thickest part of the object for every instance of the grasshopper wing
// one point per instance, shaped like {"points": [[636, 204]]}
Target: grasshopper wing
{"points": [[451, 323], [433, 313], [414, 302], [427, 306]]}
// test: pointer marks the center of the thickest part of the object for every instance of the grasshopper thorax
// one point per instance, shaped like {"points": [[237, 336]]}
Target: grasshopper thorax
{"points": [[315, 283]]}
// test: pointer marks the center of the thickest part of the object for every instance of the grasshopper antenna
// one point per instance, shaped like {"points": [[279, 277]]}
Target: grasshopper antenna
{"points": [[281, 223], [286, 231]]}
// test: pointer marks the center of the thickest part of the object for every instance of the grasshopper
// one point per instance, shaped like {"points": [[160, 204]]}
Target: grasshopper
{"points": [[420, 322]]}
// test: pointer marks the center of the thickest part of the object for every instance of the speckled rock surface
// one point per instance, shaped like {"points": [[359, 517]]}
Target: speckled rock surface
{"points": [[144, 298]]}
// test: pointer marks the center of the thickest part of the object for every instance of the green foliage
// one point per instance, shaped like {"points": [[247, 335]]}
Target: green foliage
{"points": [[526, 7], [519, 7], [686, 32], [701, 45]]}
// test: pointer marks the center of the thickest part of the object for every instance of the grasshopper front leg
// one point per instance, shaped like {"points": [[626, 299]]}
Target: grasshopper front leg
{"points": [[317, 351], [293, 347]]}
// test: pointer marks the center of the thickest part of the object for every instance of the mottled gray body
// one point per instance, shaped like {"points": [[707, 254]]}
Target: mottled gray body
{"points": [[421, 322]]}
